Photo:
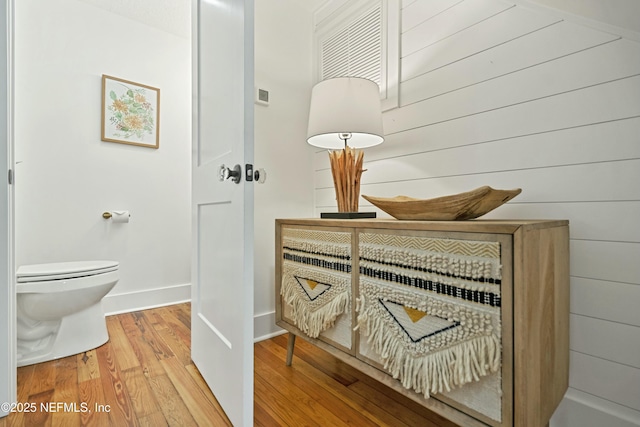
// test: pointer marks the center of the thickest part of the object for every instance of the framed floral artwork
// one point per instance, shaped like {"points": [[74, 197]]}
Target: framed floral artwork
{"points": [[130, 112]]}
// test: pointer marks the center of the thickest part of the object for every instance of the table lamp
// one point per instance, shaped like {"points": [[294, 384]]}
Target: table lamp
{"points": [[345, 116]]}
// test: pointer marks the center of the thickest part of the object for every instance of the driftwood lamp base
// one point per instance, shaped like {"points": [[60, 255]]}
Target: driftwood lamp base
{"points": [[346, 169]]}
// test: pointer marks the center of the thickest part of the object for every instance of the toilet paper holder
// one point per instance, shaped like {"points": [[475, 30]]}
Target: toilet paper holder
{"points": [[116, 215]]}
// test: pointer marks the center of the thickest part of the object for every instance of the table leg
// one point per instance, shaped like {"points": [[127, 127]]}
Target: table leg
{"points": [[290, 345]]}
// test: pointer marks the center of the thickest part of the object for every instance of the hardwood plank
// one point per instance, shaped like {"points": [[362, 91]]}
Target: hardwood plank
{"points": [[24, 377], [398, 410], [261, 417], [181, 350], [155, 318], [129, 325], [153, 420], [121, 409], [91, 393], [66, 391], [324, 362], [197, 402], [309, 367], [182, 312], [301, 398], [411, 405], [280, 405], [197, 377], [176, 319], [121, 345], [44, 378], [139, 321], [39, 417], [151, 336], [146, 355], [265, 413], [174, 409], [66, 379], [142, 398], [271, 361], [88, 368]]}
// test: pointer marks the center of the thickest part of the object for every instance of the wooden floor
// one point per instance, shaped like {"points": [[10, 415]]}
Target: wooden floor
{"points": [[144, 376]]}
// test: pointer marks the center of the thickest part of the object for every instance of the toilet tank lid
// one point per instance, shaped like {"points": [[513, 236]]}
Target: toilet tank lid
{"points": [[58, 268]]}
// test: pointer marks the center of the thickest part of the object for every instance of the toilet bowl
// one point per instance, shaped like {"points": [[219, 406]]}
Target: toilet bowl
{"points": [[59, 308]]}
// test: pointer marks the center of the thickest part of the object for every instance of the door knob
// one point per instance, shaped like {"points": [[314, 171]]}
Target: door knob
{"points": [[225, 173]]}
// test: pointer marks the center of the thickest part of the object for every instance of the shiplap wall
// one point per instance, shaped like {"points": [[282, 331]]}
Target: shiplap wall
{"points": [[504, 94]]}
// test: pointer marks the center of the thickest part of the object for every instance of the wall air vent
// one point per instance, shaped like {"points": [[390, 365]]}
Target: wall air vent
{"points": [[355, 50]]}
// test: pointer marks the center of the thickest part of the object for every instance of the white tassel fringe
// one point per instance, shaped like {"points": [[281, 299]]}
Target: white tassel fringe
{"points": [[313, 321], [436, 372]]}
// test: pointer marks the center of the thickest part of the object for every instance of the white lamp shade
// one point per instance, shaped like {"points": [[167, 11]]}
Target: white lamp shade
{"points": [[345, 105]]}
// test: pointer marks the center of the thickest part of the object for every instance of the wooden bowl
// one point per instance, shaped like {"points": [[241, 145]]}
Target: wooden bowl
{"points": [[469, 205]]}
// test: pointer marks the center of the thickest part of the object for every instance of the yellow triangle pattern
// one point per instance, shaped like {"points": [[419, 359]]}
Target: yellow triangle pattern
{"points": [[312, 284], [414, 314]]}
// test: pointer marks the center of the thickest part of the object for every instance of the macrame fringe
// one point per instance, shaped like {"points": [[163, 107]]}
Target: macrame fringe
{"points": [[433, 373], [313, 322]]}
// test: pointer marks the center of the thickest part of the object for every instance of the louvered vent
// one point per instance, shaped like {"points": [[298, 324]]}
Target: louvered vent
{"points": [[355, 50]]}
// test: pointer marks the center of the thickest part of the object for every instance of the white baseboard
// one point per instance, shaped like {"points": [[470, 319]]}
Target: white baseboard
{"points": [[146, 299], [264, 326], [579, 409]]}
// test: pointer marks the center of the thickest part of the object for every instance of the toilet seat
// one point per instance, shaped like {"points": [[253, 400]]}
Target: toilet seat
{"points": [[63, 270]]}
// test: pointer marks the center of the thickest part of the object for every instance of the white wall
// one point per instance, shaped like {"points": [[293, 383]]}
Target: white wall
{"points": [[67, 176], [496, 93], [283, 67]]}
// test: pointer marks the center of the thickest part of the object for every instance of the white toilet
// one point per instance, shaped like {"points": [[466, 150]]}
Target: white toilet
{"points": [[59, 308]]}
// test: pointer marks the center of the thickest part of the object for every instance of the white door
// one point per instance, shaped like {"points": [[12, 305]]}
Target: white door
{"points": [[222, 211]]}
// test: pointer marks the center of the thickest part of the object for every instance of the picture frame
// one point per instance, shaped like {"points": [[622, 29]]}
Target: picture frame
{"points": [[130, 112]]}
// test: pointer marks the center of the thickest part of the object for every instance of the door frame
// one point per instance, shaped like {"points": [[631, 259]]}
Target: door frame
{"points": [[8, 363]]}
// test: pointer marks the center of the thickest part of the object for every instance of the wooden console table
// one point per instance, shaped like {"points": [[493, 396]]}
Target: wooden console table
{"points": [[468, 318]]}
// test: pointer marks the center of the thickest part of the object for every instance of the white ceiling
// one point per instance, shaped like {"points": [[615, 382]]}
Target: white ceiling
{"points": [[174, 16]]}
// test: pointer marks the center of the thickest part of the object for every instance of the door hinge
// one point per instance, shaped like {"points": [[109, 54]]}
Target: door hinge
{"points": [[10, 176]]}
